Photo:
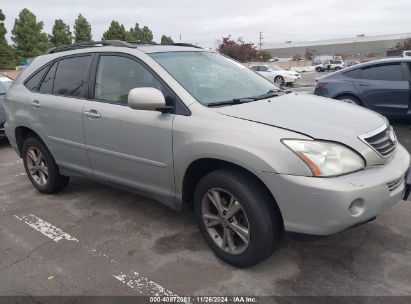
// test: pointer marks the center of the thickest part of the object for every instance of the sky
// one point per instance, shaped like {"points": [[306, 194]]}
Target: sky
{"points": [[204, 22]]}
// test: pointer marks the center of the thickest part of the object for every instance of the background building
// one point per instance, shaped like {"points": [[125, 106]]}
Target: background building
{"points": [[360, 46]]}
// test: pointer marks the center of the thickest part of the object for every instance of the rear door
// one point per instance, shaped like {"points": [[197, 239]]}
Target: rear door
{"points": [[57, 107], [384, 88], [126, 146]]}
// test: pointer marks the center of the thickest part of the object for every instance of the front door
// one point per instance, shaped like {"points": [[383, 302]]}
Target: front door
{"points": [[126, 146]]}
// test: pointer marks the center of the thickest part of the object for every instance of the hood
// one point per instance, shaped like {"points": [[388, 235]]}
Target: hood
{"points": [[317, 117]]}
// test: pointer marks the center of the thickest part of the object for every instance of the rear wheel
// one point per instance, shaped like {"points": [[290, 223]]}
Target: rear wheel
{"points": [[41, 167], [349, 99], [237, 217], [318, 69]]}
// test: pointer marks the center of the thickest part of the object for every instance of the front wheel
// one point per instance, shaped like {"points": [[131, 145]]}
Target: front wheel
{"points": [[279, 80], [237, 217], [41, 167], [318, 69]]}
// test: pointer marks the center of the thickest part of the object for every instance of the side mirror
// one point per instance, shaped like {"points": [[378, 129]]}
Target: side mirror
{"points": [[148, 99]]}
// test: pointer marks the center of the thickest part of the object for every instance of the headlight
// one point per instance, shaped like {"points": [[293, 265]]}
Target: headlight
{"points": [[326, 158]]}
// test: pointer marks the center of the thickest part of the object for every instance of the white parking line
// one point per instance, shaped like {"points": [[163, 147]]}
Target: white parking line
{"points": [[134, 280], [143, 285], [45, 228]]}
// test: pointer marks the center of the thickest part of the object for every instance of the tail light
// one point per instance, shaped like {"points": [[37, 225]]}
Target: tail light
{"points": [[321, 85]]}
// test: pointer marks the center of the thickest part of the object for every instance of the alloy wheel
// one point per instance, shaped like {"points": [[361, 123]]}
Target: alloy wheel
{"points": [[225, 221], [37, 167], [279, 80]]}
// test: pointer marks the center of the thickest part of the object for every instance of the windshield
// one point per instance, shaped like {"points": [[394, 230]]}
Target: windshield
{"points": [[211, 78], [275, 68]]}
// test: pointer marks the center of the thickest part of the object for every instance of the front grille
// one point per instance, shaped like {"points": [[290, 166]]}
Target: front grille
{"points": [[395, 184], [384, 143]]}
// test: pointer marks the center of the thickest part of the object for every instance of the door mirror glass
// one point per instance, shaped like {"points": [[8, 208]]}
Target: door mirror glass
{"points": [[148, 99]]}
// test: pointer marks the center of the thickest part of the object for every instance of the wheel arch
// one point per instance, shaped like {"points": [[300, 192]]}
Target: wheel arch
{"points": [[349, 94], [23, 132], [201, 167]]}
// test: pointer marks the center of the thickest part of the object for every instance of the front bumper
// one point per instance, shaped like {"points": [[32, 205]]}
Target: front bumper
{"points": [[321, 206], [290, 79]]}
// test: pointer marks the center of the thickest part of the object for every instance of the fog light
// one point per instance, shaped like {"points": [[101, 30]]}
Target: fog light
{"points": [[357, 207]]}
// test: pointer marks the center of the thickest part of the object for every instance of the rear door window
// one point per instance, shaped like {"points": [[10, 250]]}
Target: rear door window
{"points": [[47, 84], [387, 72], [71, 76], [34, 81]]}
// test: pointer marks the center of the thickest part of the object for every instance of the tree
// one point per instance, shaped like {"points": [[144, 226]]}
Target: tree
{"points": [[82, 30], [5, 51], [116, 31], [29, 40], [403, 45], [244, 52], [264, 55], [60, 33], [144, 35], [166, 40], [309, 54]]}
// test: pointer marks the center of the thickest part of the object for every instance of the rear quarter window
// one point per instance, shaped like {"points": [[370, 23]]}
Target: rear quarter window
{"points": [[33, 82], [356, 74]]}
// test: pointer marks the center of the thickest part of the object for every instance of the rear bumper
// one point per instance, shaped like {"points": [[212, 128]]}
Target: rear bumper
{"points": [[323, 206]]}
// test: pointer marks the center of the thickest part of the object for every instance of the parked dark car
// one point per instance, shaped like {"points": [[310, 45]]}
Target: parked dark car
{"points": [[383, 86], [5, 82]]}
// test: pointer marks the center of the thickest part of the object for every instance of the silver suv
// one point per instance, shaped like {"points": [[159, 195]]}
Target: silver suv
{"points": [[190, 127]]}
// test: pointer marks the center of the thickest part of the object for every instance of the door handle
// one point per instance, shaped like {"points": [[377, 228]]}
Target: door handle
{"points": [[36, 104], [92, 114], [364, 84]]}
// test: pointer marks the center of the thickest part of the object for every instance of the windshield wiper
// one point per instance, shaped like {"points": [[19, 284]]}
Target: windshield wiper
{"points": [[270, 93], [234, 101]]}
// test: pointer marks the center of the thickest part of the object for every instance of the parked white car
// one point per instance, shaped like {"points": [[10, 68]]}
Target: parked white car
{"points": [[335, 65], [406, 54], [276, 74]]}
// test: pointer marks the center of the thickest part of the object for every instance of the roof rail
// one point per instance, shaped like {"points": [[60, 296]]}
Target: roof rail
{"points": [[120, 43], [185, 44], [83, 45]]}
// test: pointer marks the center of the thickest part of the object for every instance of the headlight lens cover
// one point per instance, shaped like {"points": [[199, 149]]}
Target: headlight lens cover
{"points": [[326, 158]]}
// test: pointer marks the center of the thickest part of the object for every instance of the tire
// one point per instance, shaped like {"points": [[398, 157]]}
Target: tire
{"points": [[40, 165], [349, 99], [318, 69], [337, 68], [259, 215], [279, 80]]}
